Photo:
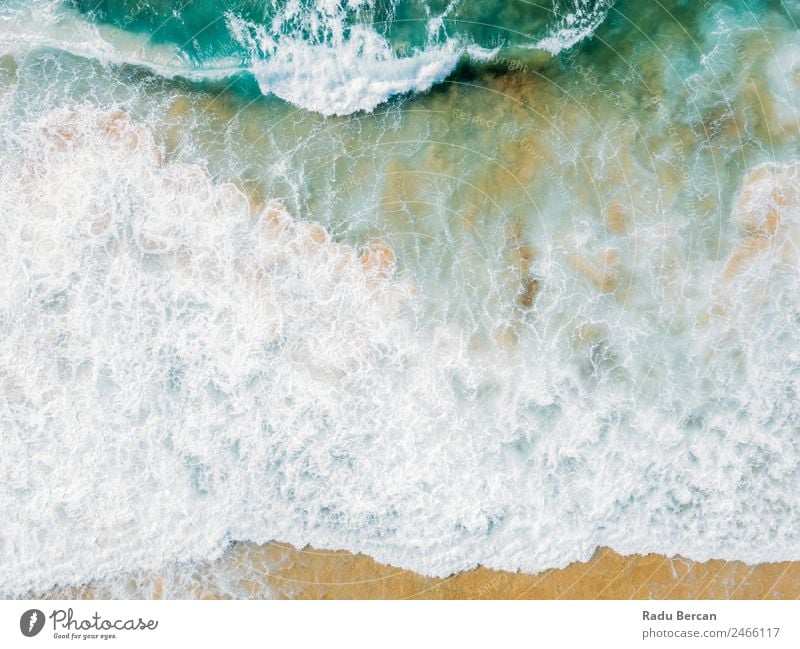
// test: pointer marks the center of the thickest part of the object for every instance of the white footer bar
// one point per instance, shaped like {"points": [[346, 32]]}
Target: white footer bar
{"points": [[408, 624]]}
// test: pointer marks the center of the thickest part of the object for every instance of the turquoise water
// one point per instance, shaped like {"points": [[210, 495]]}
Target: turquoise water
{"points": [[445, 283], [201, 29]]}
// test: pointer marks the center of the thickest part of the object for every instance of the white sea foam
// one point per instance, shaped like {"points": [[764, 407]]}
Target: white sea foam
{"points": [[181, 368], [577, 20], [345, 69], [354, 75], [49, 25], [337, 77], [163, 304]]}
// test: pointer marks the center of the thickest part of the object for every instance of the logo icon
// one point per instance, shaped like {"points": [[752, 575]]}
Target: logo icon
{"points": [[31, 622]]}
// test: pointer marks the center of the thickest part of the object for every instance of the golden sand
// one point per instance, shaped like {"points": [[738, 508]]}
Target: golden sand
{"points": [[278, 570], [314, 574]]}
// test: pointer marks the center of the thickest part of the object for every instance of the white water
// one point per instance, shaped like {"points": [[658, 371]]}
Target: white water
{"points": [[347, 75], [181, 368], [578, 19], [349, 70]]}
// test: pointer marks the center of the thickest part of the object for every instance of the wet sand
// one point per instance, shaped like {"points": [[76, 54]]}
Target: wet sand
{"points": [[314, 574], [278, 570]]}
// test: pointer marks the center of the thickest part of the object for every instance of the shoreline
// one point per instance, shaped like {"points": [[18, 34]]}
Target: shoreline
{"points": [[607, 575], [278, 570]]}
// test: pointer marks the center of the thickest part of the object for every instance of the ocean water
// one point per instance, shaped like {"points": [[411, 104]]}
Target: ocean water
{"points": [[447, 283]]}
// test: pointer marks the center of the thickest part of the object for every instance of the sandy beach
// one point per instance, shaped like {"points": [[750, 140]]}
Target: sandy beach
{"points": [[318, 574], [278, 570]]}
